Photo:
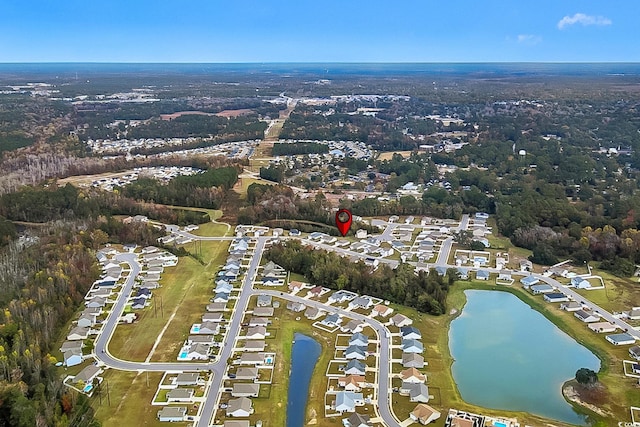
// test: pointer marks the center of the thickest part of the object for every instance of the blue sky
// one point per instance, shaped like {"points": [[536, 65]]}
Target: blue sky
{"points": [[319, 31]]}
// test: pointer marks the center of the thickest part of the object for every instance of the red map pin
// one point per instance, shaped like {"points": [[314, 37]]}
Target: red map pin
{"points": [[343, 221]]}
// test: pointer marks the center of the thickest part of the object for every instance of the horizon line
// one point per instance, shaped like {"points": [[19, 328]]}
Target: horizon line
{"points": [[314, 62]]}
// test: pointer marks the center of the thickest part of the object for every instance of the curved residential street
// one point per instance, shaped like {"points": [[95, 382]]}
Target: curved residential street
{"points": [[219, 366]]}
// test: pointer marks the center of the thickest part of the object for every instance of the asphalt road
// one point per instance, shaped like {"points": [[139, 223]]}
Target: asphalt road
{"points": [[219, 367]]}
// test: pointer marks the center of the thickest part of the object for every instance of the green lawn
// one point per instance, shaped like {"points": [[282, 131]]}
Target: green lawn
{"points": [[435, 338]]}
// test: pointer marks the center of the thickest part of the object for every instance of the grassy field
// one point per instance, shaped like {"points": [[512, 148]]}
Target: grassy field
{"points": [[441, 383], [387, 155], [244, 183], [128, 401], [185, 290]]}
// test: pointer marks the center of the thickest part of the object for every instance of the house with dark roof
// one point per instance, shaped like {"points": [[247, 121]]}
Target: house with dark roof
{"points": [[635, 352], [410, 333], [355, 352], [586, 316], [355, 367], [555, 297], [621, 339]]}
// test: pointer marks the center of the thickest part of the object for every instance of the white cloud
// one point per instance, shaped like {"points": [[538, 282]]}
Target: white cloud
{"points": [[529, 39], [581, 18]]}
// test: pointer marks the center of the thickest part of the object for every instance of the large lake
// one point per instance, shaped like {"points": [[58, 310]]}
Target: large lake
{"points": [[304, 356], [508, 356]]}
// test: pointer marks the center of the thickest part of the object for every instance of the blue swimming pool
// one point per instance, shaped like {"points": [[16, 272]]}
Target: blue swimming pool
{"points": [[183, 355], [196, 328], [87, 388], [499, 424]]}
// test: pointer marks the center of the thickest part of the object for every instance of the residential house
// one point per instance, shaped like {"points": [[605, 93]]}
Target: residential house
{"points": [[401, 320], [412, 360], [72, 357], [412, 375], [296, 307], [352, 326], [87, 375], [312, 313], [580, 282], [463, 273], [245, 390], [263, 311], [216, 307], [143, 293], [223, 287], [180, 395], [355, 352], [250, 358], [254, 345], [357, 420], [355, 367], [96, 302], [359, 339], [256, 333], [382, 310], [541, 289], [240, 407], [221, 297], [236, 423], [528, 281], [263, 301], [412, 346], [526, 265], [555, 297], [340, 296], [138, 303], [215, 317], [417, 392], [315, 292], [247, 373], [634, 313], [425, 414], [635, 352], [571, 306], [172, 414], [352, 382], [621, 339], [346, 401], [198, 352], [586, 316], [410, 333], [209, 328], [259, 321], [78, 334], [71, 345], [86, 321], [602, 327], [187, 379], [332, 320], [360, 302], [482, 275], [200, 339], [295, 286]]}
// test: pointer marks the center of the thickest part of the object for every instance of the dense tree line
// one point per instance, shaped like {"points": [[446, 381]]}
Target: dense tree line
{"points": [[40, 204], [272, 172], [226, 129], [204, 190], [42, 286], [422, 291]]}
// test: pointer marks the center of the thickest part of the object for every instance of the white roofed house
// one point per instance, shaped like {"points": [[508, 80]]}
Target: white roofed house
{"points": [[72, 357], [215, 317], [256, 333], [198, 352], [263, 300], [86, 321], [172, 414], [240, 407], [412, 346], [245, 390], [359, 339], [180, 395], [209, 328], [586, 316], [355, 367]]}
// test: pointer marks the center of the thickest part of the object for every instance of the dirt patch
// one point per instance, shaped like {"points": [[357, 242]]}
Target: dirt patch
{"points": [[168, 117], [591, 398], [234, 113]]}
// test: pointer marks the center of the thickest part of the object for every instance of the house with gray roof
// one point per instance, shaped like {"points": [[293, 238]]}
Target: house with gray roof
{"points": [[410, 333], [180, 395], [357, 420], [355, 352], [401, 320], [621, 339], [264, 300], [355, 367], [247, 373], [331, 320], [172, 414], [263, 311], [346, 401], [412, 360], [412, 346], [254, 345], [187, 378], [88, 374], [352, 326], [245, 390], [240, 407], [417, 392], [359, 339], [541, 289], [312, 313], [360, 302], [256, 333]]}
